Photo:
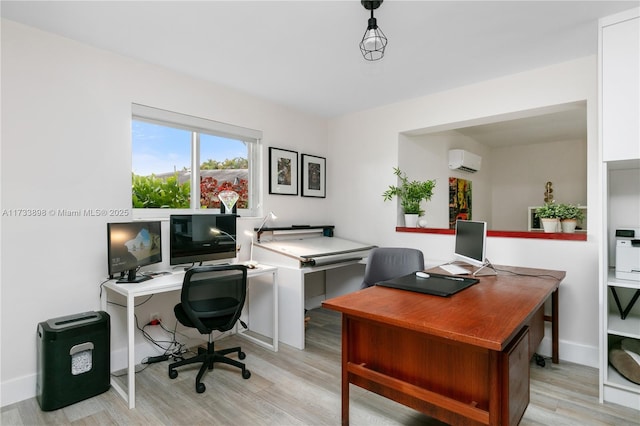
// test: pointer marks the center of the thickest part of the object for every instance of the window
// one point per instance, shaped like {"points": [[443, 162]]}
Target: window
{"points": [[167, 147]]}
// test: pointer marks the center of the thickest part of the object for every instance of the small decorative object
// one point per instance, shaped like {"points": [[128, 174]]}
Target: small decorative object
{"points": [[314, 178], [569, 215], [549, 217], [548, 193], [283, 171], [228, 200], [410, 194]]}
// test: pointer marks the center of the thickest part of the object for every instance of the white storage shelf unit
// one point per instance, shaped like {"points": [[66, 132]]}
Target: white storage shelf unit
{"points": [[619, 126]]}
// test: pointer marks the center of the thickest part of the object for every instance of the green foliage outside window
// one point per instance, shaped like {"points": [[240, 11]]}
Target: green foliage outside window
{"points": [[154, 192], [234, 163]]}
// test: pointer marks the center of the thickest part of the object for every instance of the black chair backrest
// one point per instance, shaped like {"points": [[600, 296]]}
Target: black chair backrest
{"points": [[213, 296], [385, 263]]}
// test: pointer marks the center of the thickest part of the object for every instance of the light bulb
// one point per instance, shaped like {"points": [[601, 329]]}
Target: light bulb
{"points": [[371, 40]]}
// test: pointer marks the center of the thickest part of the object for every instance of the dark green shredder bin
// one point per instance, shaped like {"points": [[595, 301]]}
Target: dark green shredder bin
{"points": [[73, 359]]}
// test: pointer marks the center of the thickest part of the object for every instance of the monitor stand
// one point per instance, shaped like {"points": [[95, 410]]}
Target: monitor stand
{"points": [[487, 264], [132, 278]]}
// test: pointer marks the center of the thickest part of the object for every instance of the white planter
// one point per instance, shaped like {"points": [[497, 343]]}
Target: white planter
{"points": [[569, 225], [550, 225], [411, 220]]}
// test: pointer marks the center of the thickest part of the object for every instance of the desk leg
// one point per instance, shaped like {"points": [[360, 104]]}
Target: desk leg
{"points": [[555, 357], [131, 364], [345, 373], [274, 278], [242, 333]]}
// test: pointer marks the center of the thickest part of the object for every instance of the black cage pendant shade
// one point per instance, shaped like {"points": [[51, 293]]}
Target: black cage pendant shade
{"points": [[374, 41]]}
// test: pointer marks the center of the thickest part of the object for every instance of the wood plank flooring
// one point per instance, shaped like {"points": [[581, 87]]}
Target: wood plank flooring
{"points": [[293, 387]]}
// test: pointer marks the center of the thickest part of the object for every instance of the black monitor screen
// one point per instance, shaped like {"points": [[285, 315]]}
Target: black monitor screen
{"points": [[471, 237], [201, 238], [131, 245]]}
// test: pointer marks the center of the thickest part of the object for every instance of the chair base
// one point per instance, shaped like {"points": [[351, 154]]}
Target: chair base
{"points": [[208, 357]]}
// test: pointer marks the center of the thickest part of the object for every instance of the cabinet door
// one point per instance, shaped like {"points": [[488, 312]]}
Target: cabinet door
{"points": [[621, 90]]}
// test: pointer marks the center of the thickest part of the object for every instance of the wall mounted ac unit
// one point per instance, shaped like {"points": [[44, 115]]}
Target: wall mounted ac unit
{"points": [[466, 161]]}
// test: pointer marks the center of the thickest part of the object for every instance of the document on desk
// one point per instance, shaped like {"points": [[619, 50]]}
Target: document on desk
{"points": [[436, 284]]}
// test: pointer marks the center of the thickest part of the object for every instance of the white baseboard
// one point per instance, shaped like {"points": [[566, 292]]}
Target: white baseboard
{"points": [[571, 352]]}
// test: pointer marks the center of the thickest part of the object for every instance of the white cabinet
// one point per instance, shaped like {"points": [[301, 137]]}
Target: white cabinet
{"points": [[619, 59], [620, 79]]}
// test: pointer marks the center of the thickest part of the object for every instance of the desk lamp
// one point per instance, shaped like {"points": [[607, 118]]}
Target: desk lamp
{"points": [[252, 263]]}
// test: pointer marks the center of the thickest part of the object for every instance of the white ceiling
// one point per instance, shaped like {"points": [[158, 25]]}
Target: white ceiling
{"points": [[305, 55]]}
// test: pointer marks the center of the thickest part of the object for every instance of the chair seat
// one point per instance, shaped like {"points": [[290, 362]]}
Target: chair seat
{"points": [[223, 308]]}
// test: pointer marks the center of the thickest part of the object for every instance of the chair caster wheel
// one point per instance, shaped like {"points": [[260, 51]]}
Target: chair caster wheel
{"points": [[173, 374], [246, 374], [242, 355], [200, 387]]}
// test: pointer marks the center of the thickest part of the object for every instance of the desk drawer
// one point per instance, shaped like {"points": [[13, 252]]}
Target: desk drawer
{"points": [[515, 376]]}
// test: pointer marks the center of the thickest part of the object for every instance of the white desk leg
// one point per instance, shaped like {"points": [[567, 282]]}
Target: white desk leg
{"points": [[131, 365], [274, 345], [274, 279]]}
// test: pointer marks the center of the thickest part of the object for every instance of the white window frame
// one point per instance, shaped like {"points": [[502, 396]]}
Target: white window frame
{"points": [[198, 125]]}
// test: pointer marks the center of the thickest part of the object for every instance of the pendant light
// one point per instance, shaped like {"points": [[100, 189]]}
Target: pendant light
{"points": [[374, 41]]}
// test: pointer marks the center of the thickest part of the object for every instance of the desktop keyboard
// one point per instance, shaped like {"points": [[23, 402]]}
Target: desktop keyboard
{"points": [[454, 269]]}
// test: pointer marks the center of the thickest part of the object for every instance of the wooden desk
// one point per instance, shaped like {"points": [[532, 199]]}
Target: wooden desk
{"points": [[462, 359]]}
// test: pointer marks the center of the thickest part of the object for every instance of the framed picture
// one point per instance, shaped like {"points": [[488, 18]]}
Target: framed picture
{"points": [[459, 200], [314, 176], [283, 171]]}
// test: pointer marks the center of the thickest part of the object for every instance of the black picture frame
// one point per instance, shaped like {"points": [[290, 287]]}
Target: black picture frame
{"points": [[283, 171], [313, 177]]}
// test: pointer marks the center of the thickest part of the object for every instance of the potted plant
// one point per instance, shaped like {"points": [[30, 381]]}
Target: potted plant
{"points": [[549, 216], [410, 194], [569, 215]]}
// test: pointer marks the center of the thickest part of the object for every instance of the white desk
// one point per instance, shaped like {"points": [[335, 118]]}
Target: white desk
{"points": [[297, 257], [163, 284]]}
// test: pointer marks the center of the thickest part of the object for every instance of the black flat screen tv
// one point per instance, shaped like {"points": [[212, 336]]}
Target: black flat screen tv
{"points": [[131, 245], [201, 238]]}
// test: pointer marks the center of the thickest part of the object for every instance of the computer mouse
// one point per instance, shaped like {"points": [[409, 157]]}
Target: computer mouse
{"points": [[422, 274]]}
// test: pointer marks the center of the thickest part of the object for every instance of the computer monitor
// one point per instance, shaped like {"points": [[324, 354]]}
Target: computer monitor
{"points": [[471, 242], [201, 237], [131, 245]]}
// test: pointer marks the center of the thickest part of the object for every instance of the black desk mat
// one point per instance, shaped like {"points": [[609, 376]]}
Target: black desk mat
{"points": [[436, 284]]}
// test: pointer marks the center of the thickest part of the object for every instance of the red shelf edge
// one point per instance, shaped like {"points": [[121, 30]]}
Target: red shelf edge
{"points": [[578, 236]]}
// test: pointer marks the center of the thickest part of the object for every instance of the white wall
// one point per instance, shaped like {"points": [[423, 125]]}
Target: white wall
{"points": [[519, 174], [367, 145], [66, 112]]}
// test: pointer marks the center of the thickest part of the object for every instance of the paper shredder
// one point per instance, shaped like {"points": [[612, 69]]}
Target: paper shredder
{"points": [[73, 359]]}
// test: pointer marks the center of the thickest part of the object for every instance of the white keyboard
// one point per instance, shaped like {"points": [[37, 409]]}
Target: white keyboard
{"points": [[454, 269]]}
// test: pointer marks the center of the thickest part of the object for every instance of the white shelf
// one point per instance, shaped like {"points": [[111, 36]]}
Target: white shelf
{"points": [[615, 379], [629, 327], [612, 281]]}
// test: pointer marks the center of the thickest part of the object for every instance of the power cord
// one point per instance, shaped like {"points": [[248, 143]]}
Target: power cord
{"points": [[171, 348]]}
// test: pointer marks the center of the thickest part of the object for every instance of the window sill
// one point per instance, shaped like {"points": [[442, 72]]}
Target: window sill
{"points": [[578, 236]]}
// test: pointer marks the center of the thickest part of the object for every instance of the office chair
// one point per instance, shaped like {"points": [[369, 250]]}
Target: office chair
{"points": [[386, 263], [212, 299]]}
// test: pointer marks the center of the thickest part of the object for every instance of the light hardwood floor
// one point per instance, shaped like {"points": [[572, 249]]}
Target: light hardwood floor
{"points": [[293, 387]]}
